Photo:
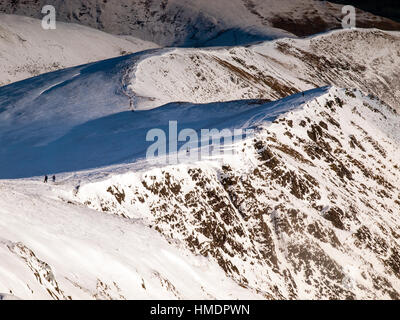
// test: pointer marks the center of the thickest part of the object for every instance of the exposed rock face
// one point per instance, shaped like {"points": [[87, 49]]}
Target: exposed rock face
{"points": [[307, 208], [199, 22], [40, 269]]}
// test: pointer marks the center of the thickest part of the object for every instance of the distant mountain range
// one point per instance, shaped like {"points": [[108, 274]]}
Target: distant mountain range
{"points": [[201, 22]]}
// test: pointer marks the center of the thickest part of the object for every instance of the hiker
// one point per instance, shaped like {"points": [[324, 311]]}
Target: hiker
{"points": [[46, 178], [76, 188], [54, 179]]}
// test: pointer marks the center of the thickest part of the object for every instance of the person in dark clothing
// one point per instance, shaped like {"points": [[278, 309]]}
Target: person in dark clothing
{"points": [[76, 189], [46, 178], [54, 179]]}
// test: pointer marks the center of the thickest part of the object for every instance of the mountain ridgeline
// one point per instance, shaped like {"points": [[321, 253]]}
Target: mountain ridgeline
{"points": [[305, 207], [200, 22]]}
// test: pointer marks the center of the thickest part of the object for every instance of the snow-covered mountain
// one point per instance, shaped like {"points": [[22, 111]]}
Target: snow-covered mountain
{"points": [[201, 22], [53, 248], [27, 50], [60, 127], [362, 58], [42, 118], [305, 207]]}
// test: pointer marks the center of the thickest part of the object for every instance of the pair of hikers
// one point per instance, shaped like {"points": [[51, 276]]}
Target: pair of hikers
{"points": [[46, 179]]}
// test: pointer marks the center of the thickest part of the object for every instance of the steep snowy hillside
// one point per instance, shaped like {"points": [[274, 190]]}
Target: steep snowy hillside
{"points": [[201, 22], [365, 59], [307, 208], [53, 248], [60, 121], [52, 118], [27, 50]]}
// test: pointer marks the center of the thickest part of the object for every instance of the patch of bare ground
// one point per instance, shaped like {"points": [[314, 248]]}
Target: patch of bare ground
{"points": [[301, 27], [279, 88]]}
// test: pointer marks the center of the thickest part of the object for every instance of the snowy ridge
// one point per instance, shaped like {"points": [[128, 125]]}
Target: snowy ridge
{"points": [[27, 50], [308, 208], [43, 117], [272, 70], [45, 122]]}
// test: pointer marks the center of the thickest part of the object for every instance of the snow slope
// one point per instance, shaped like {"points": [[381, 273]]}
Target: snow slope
{"points": [[53, 248], [307, 208], [201, 22], [47, 122], [364, 59], [60, 125], [27, 50]]}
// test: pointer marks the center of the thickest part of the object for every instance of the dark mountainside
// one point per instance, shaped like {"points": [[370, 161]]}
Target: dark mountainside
{"points": [[385, 8], [199, 23]]}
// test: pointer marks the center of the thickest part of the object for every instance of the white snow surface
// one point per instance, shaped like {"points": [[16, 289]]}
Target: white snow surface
{"points": [[360, 58], [42, 119], [61, 128], [27, 50], [52, 249], [128, 236], [306, 208], [326, 220]]}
